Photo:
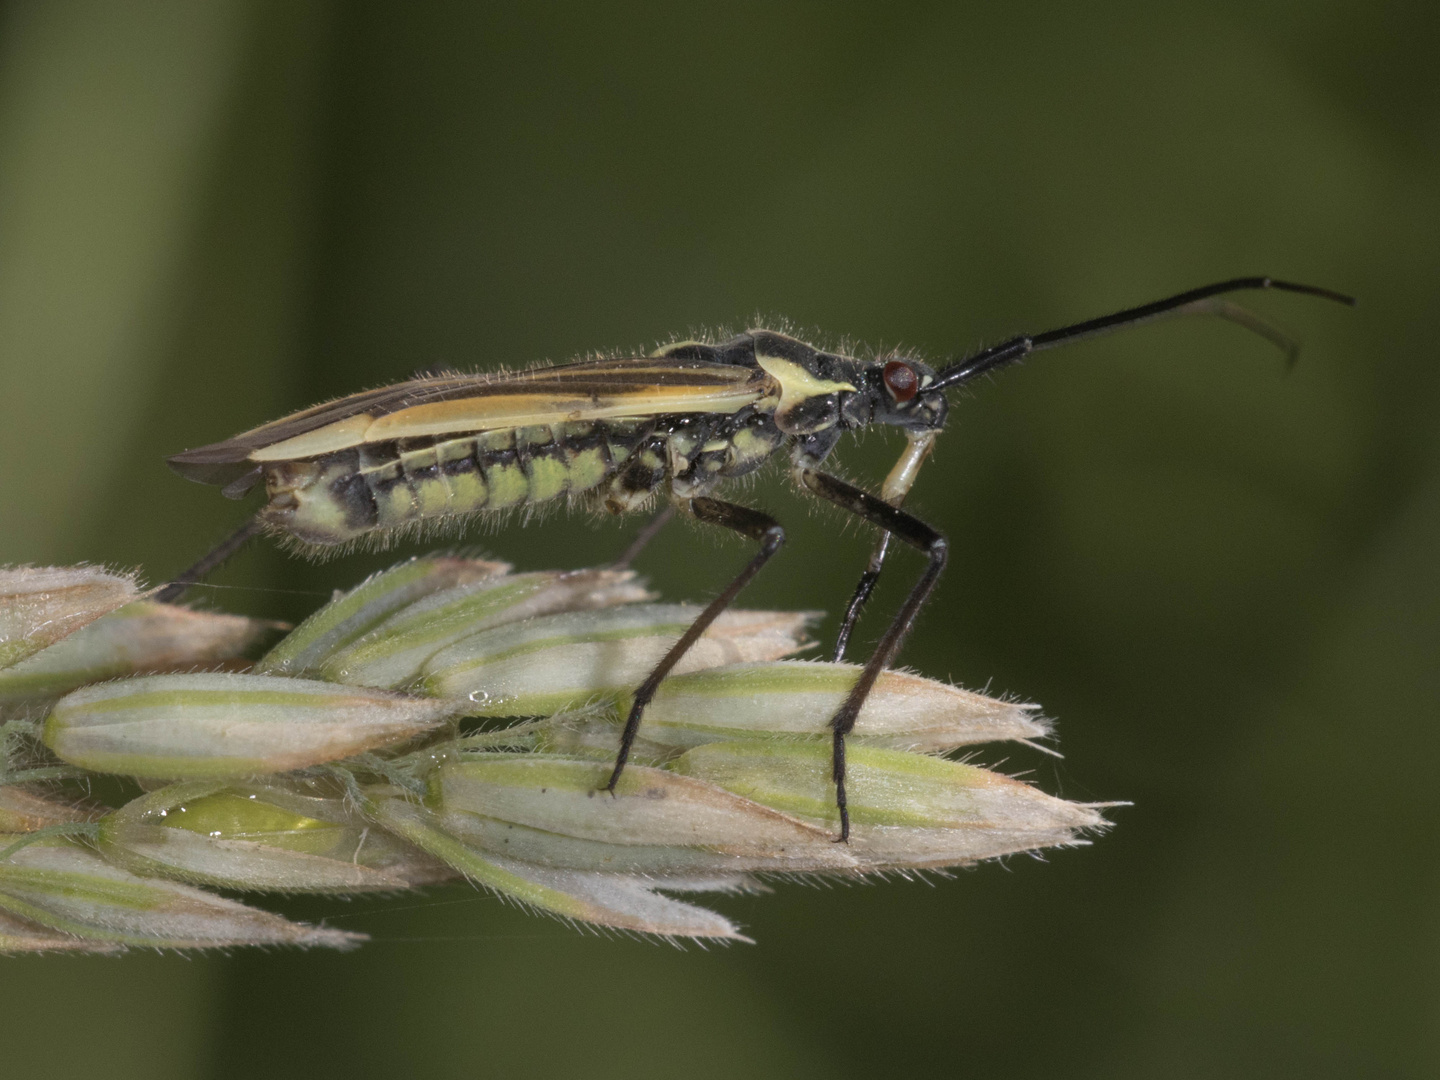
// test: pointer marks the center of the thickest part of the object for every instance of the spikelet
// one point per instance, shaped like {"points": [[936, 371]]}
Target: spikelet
{"points": [[451, 719]]}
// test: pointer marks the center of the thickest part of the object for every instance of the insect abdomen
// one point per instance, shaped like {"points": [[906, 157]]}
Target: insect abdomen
{"points": [[384, 487]]}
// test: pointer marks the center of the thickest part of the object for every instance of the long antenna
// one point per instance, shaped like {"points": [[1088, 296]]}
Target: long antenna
{"points": [[1196, 301]]}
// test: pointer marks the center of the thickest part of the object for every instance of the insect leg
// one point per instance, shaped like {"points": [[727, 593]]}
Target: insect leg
{"points": [[752, 523], [209, 562], [917, 534], [897, 485], [643, 538], [863, 588]]}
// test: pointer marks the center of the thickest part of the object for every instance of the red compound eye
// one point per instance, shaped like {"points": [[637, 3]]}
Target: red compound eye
{"points": [[901, 380]]}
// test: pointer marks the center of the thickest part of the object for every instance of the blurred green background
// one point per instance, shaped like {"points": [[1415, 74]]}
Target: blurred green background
{"points": [[1220, 579]]}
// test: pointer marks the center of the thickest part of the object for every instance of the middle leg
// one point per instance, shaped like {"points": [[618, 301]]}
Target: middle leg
{"points": [[917, 534], [643, 537], [863, 588], [752, 523], [897, 485]]}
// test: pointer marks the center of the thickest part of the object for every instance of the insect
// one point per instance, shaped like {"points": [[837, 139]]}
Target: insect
{"points": [[619, 431]]}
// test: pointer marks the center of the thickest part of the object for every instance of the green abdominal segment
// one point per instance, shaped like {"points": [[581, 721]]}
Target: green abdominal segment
{"points": [[387, 487], [380, 487]]}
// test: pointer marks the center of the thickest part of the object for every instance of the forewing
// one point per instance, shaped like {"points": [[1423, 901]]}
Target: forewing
{"points": [[460, 404]]}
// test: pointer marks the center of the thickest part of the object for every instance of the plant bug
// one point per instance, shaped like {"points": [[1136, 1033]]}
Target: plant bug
{"points": [[617, 431]]}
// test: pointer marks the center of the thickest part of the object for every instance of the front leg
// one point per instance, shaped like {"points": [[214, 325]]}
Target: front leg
{"points": [[858, 599], [897, 485], [911, 530], [752, 523]]}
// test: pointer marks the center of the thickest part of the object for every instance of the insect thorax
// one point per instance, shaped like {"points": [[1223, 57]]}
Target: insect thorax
{"points": [[384, 487]]}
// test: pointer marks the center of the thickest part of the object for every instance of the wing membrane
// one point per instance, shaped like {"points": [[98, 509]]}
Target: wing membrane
{"points": [[590, 390]]}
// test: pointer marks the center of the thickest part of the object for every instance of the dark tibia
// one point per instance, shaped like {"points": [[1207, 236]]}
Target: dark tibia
{"points": [[643, 538], [863, 588], [752, 523], [211, 561], [910, 530]]}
